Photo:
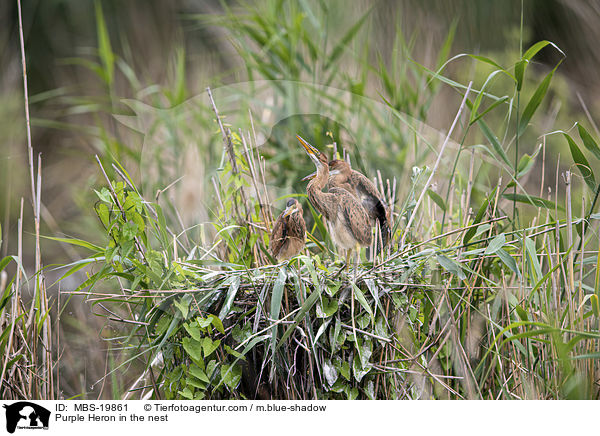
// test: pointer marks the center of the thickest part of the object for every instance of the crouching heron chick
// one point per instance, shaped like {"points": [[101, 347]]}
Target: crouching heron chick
{"points": [[289, 232]]}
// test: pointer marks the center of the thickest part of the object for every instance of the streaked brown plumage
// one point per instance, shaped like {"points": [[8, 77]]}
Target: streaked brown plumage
{"points": [[347, 220], [289, 232], [341, 175]]}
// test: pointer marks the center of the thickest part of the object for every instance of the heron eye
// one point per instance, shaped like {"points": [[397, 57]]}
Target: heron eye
{"points": [[290, 202]]}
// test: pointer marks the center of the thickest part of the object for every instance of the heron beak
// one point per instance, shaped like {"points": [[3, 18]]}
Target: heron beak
{"points": [[289, 210], [310, 176], [312, 152]]}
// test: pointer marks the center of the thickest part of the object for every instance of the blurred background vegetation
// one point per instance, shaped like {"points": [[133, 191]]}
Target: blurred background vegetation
{"points": [[84, 57]]}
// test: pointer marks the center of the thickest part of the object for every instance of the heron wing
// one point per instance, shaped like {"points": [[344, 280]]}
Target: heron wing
{"points": [[355, 216], [373, 202], [278, 236]]}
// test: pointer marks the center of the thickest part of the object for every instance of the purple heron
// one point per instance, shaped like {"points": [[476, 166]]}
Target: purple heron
{"points": [[347, 220], [289, 232], [343, 176]]}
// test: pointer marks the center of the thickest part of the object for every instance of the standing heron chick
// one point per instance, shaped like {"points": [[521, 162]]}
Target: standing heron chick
{"points": [[289, 232], [343, 176], [347, 220]]}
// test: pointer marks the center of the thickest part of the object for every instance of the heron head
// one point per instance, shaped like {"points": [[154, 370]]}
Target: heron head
{"points": [[318, 158], [292, 206], [339, 166]]}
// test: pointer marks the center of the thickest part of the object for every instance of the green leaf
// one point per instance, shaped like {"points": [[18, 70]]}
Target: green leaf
{"points": [[186, 393], [234, 353], [530, 199], [437, 199], [77, 265], [104, 49], [327, 308], [330, 372], [582, 163], [231, 293], [370, 390], [104, 195], [231, 375], [277, 294], [522, 313], [595, 305], [494, 141], [6, 260], [192, 348], [183, 305], [496, 244], [216, 322], [519, 72], [534, 102], [196, 383], [535, 48], [363, 301], [193, 330], [203, 323], [588, 141], [490, 62], [509, 261], [489, 109], [210, 368], [533, 261], [344, 369], [199, 373], [351, 393], [103, 214], [480, 95], [451, 266], [209, 346], [525, 164], [75, 241], [360, 363], [527, 56], [480, 213]]}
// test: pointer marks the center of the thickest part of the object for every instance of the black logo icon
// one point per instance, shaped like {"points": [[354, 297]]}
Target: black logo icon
{"points": [[26, 415]]}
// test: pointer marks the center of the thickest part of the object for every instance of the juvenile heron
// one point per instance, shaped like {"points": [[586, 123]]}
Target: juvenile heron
{"points": [[289, 232], [347, 220], [343, 176]]}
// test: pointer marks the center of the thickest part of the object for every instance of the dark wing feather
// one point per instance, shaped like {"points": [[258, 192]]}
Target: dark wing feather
{"points": [[373, 202]]}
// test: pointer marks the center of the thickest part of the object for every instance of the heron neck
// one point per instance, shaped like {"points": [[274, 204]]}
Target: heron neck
{"points": [[319, 199]]}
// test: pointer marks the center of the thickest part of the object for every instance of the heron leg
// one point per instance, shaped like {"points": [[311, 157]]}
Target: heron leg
{"points": [[356, 260], [348, 252]]}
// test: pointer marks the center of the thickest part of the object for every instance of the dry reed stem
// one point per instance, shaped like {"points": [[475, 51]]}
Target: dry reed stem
{"points": [[437, 163]]}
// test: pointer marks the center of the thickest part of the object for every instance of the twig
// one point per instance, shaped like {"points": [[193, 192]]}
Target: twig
{"points": [[381, 338]]}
